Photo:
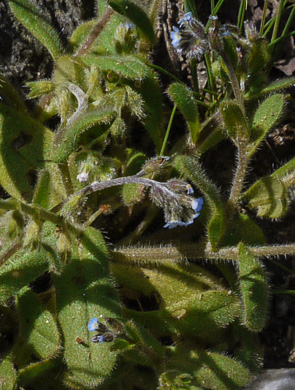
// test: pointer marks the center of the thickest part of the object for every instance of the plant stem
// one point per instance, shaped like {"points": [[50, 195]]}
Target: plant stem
{"points": [[240, 173], [168, 131], [94, 33], [183, 251]]}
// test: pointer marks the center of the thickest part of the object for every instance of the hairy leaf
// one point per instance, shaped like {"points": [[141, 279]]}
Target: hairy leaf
{"points": [[85, 291], [254, 289], [234, 120], [267, 114], [137, 16], [38, 332], [30, 16], [24, 146], [7, 375], [67, 139], [183, 97], [23, 268], [129, 67], [269, 195]]}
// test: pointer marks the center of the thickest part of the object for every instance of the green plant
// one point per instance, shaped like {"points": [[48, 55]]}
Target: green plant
{"points": [[161, 319]]}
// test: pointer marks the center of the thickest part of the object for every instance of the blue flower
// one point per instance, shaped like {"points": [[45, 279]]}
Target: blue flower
{"points": [[197, 205], [188, 17], [93, 324], [175, 36], [173, 224], [97, 339]]}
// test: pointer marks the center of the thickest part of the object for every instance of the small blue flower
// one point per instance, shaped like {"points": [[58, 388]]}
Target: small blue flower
{"points": [[93, 324], [186, 19], [97, 339], [175, 36], [197, 204], [189, 189]]}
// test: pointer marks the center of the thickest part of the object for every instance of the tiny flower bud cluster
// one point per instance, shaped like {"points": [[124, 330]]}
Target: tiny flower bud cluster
{"points": [[180, 209], [103, 333], [190, 38]]}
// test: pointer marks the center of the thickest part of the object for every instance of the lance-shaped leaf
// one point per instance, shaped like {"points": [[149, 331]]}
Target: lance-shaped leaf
{"points": [[7, 375], [253, 288], [269, 196], [10, 96], [29, 15], [23, 268], [234, 120], [220, 372], [44, 371], [151, 93], [209, 370], [137, 16], [278, 85], [24, 146], [129, 67], [192, 169], [197, 309], [38, 333], [267, 114], [85, 291], [67, 139], [183, 97]]}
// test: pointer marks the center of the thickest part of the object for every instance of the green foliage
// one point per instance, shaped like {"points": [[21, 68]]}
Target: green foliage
{"points": [[184, 99], [234, 120], [83, 291], [24, 149], [83, 315], [265, 117], [254, 289], [136, 15], [34, 21]]}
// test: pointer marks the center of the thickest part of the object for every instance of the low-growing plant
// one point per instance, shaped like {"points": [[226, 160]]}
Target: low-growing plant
{"points": [[144, 310]]}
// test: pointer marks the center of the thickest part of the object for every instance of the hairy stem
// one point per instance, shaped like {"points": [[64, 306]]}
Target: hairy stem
{"points": [[240, 173], [183, 251], [94, 33]]}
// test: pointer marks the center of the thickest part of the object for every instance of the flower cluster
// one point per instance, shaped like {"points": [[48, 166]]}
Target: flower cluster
{"points": [[190, 38], [103, 333], [180, 208]]}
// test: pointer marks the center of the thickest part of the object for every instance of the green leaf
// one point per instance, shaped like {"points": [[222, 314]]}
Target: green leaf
{"points": [[85, 291], [269, 195], [41, 370], [7, 375], [209, 370], [40, 88], [267, 114], [218, 371], [24, 146], [254, 290], [278, 85], [133, 193], [137, 16], [183, 97], [67, 139], [38, 332], [22, 268], [242, 228], [10, 96], [30, 16], [151, 92], [129, 67], [234, 120]]}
